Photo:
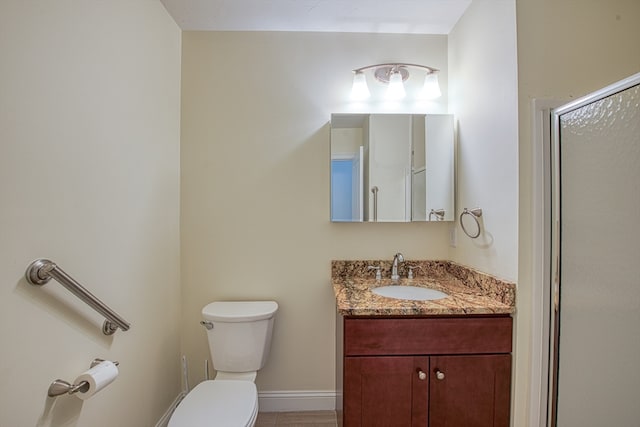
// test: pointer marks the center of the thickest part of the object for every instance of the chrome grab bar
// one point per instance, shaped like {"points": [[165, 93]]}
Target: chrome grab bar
{"points": [[375, 190], [42, 270]]}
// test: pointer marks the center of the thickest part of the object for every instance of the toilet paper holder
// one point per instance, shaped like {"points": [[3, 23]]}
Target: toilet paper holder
{"points": [[60, 387]]}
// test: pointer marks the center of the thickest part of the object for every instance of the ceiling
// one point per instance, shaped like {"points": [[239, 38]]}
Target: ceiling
{"points": [[361, 16]]}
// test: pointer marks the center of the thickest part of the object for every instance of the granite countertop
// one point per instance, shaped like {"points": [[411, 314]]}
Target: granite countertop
{"points": [[469, 291]]}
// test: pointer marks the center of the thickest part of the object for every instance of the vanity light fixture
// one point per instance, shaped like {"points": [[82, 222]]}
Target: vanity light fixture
{"points": [[394, 75], [395, 90], [360, 90]]}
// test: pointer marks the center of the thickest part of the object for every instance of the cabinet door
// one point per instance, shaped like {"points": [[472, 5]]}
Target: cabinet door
{"points": [[470, 391], [390, 167], [386, 391]]}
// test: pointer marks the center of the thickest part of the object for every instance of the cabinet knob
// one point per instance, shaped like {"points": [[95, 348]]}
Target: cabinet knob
{"points": [[421, 374], [439, 374]]}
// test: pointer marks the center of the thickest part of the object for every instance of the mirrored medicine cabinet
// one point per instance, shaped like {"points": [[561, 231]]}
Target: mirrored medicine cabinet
{"points": [[392, 167]]}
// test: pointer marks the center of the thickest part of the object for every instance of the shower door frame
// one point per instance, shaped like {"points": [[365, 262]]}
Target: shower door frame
{"points": [[550, 261]]}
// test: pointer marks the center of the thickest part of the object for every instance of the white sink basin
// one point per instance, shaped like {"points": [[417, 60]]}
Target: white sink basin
{"points": [[409, 292]]}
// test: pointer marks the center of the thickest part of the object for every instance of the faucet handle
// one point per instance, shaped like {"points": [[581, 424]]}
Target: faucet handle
{"points": [[377, 269], [411, 268]]}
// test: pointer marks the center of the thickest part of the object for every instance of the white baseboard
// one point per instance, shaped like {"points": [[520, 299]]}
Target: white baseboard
{"points": [[307, 400], [164, 421]]}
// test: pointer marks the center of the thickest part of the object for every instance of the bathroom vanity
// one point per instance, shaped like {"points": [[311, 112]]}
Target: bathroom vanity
{"points": [[435, 363]]}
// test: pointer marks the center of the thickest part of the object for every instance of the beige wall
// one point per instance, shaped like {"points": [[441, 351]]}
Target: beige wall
{"points": [[566, 49], [483, 98], [255, 186], [89, 177]]}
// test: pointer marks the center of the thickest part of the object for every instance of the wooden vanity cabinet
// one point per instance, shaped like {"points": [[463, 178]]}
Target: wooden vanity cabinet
{"points": [[436, 372]]}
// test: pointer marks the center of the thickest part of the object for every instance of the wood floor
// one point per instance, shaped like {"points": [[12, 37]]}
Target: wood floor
{"points": [[293, 419]]}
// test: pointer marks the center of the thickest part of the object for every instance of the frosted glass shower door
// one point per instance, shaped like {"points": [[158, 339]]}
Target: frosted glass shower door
{"points": [[597, 211]]}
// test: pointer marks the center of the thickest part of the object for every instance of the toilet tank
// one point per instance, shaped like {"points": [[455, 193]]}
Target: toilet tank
{"points": [[240, 339]]}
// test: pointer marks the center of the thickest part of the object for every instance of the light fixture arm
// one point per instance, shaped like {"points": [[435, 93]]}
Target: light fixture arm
{"points": [[394, 74], [396, 65]]}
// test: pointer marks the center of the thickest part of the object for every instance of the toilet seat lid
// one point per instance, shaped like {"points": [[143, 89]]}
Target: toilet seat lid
{"points": [[219, 403]]}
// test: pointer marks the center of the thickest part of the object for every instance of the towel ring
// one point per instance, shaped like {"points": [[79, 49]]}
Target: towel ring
{"points": [[474, 213]]}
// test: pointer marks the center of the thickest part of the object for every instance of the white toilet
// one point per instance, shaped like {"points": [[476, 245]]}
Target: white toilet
{"points": [[239, 335]]}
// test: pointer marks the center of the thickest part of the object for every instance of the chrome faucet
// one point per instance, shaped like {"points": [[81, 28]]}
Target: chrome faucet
{"points": [[397, 258]]}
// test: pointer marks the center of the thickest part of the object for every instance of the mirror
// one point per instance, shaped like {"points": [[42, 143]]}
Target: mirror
{"points": [[392, 167]]}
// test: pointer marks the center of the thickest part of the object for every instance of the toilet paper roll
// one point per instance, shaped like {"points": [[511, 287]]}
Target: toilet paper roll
{"points": [[98, 377]]}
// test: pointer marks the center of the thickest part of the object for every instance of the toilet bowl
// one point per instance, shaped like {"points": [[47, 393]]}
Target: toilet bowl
{"points": [[223, 403], [239, 334]]}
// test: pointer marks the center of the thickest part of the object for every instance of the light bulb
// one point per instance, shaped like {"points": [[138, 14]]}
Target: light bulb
{"points": [[431, 88], [396, 87], [360, 90]]}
